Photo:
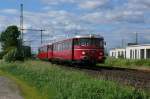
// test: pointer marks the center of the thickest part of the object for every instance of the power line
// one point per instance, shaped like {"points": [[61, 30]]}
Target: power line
{"points": [[41, 30]]}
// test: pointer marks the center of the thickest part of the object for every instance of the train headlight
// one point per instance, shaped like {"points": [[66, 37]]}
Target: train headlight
{"points": [[99, 57], [100, 53], [83, 53]]}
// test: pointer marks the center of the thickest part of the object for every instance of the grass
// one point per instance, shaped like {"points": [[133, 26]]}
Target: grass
{"points": [[126, 63], [28, 92], [55, 82]]}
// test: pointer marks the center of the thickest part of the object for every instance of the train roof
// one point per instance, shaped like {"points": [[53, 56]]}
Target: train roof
{"points": [[77, 36], [88, 36]]}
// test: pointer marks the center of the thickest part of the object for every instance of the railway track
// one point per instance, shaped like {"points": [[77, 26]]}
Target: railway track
{"points": [[140, 79]]}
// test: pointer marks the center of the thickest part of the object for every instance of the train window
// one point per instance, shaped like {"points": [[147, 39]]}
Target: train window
{"points": [[39, 50], [89, 41], [45, 49], [58, 47], [55, 47], [76, 41], [63, 46], [42, 49], [49, 47]]}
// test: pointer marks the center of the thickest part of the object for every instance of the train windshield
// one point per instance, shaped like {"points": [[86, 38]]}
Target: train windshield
{"points": [[89, 42]]}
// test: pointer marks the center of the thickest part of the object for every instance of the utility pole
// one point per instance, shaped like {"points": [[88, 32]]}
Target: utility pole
{"points": [[122, 43], [21, 21], [41, 30], [42, 36], [21, 27], [136, 38]]}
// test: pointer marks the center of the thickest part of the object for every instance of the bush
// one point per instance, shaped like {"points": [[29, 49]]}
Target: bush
{"points": [[13, 55], [126, 62], [1, 55]]}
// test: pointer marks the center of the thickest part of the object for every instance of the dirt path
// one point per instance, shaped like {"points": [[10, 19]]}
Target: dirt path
{"points": [[8, 89]]}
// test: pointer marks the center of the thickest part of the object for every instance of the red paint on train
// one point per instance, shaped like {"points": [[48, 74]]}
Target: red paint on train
{"points": [[78, 49]]}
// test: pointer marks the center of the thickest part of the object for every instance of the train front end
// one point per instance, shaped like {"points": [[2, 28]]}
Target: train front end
{"points": [[89, 49]]}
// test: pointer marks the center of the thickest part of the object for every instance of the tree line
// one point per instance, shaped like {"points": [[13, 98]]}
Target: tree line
{"points": [[12, 45]]}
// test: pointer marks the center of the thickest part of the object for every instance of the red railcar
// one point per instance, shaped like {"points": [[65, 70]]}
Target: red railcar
{"points": [[80, 49], [42, 52]]}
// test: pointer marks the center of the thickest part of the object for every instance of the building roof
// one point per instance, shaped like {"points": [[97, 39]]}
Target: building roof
{"points": [[117, 49], [138, 45]]}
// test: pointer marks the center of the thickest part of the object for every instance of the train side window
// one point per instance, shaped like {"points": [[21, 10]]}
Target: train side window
{"points": [[76, 41], [61, 45], [39, 50], [58, 47], [101, 43], [55, 47], [45, 48], [42, 49], [70, 45], [50, 47], [67, 45], [64, 46]]}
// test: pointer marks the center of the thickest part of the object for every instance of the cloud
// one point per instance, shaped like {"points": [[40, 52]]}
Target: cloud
{"points": [[130, 11], [93, 4], [138, 4], [9, 11], [83, 4], [56, 2], [55, 22], [86, 16]]}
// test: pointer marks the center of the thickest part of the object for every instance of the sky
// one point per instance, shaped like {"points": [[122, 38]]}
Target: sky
{"points": [[115, 20]]}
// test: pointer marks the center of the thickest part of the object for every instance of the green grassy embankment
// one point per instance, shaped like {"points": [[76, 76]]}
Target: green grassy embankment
{"points": [[127, 63], [55, 82], [27, 91]]}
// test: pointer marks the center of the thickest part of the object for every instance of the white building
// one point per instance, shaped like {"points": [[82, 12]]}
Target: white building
{"points": [[132, 52], [118, 52]]}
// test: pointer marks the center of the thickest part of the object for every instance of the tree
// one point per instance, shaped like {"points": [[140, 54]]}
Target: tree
{"points": [[9, 38], [12, 47]]}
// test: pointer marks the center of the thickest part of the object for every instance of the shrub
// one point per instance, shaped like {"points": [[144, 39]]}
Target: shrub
{"points": [[126, 62], [1, 55], [13, 55]]}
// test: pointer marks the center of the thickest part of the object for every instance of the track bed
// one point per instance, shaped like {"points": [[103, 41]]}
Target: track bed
{"points": [[139, 79]]}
